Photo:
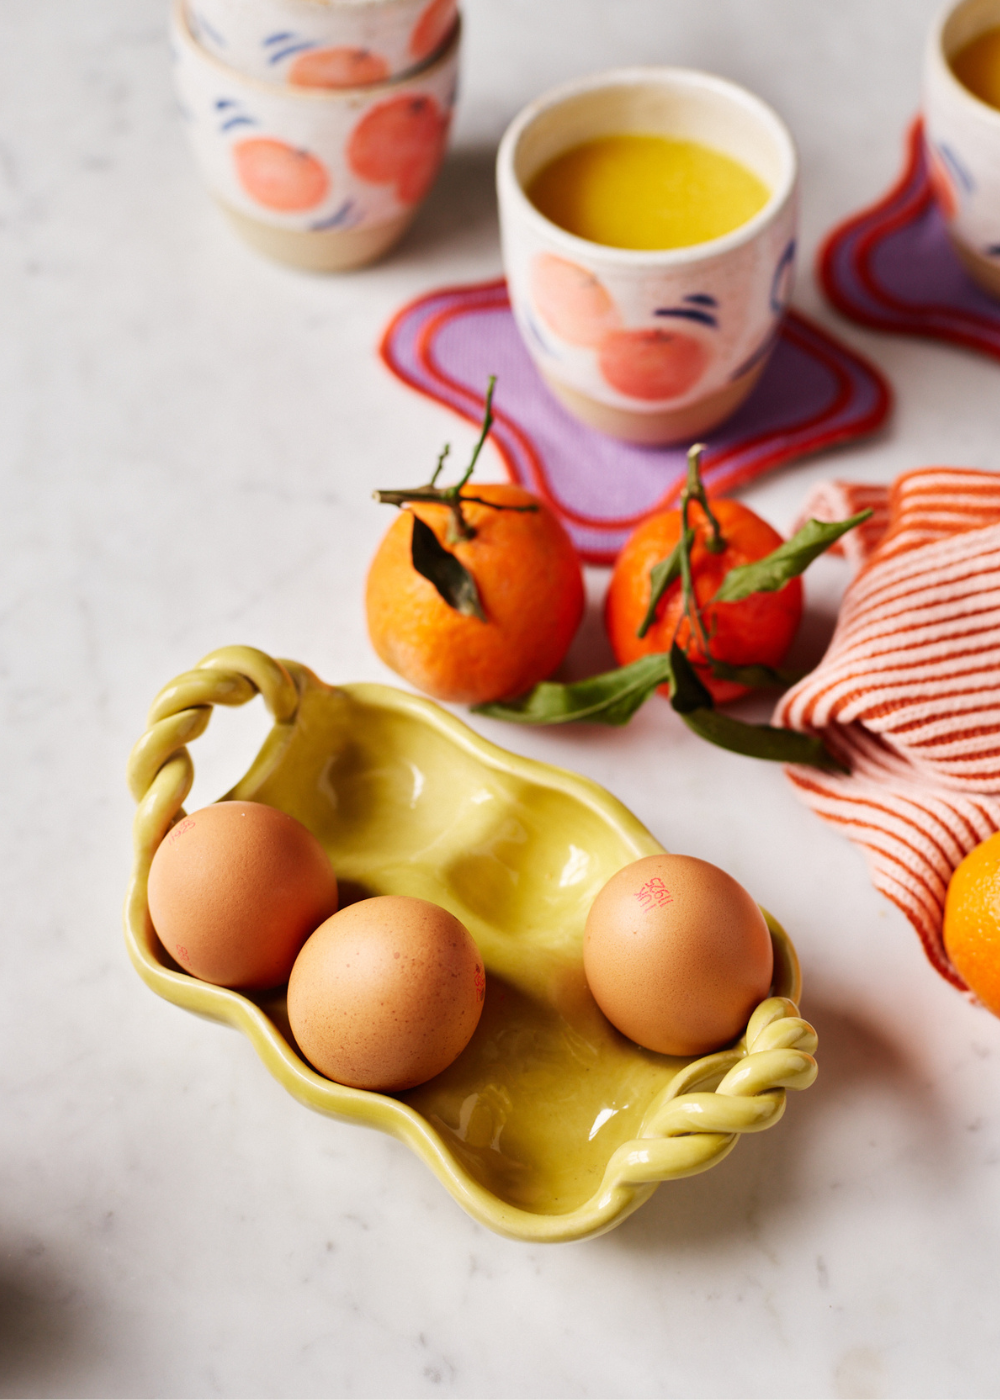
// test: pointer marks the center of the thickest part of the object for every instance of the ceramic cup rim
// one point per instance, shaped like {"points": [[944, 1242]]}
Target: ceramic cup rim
{"points": [[319, 96], [368, 4], [939, 65], [335, 5], [692, 79]]}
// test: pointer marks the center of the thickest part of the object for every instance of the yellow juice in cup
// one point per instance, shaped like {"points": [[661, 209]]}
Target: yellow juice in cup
{"points": [[977, 66], [645, 191]]}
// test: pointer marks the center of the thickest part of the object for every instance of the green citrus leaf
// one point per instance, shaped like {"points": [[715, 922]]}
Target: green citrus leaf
{"points": [[661, 576], [757, 677], [446, 572], [610, 698], [687, 691], [760, 740], [786, 562]]}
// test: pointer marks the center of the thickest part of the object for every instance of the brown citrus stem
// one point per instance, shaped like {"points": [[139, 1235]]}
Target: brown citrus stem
{"points": [[487, 425], [458, 528], [694, 490], [439, 496], [690, 607], [441, 461], [451, 496]]}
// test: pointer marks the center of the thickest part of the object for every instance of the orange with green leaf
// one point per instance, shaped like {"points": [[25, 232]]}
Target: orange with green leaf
{"points": [[645, 611], [473, 595], [703, 604]]}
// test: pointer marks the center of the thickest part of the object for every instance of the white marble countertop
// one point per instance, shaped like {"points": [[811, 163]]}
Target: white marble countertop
{"points": [[189, 437]]}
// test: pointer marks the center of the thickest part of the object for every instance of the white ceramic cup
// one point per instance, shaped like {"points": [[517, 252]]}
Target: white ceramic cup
{"points": [[326, 179], [323, 43], [963, 142], [649, 346]]}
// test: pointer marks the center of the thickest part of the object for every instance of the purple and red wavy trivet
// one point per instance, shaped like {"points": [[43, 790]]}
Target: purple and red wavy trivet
{"points": [[813, 394], [892, 267]]}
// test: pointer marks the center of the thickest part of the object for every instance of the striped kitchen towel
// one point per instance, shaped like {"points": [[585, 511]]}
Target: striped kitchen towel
{"points": [[908, 693]]}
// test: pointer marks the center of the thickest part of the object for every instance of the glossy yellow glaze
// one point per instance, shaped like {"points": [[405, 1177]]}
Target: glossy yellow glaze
{"points": [[550, 1125], [646, 191]]}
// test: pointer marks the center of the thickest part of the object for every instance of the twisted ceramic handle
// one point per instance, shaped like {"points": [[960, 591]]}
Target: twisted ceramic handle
{"points": [[689, 1128], [160, 771], [698, 1117]]}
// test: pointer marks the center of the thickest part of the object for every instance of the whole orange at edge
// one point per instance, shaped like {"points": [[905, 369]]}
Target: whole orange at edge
{"points": [[530, 585], [972, 921], [755, 631]]}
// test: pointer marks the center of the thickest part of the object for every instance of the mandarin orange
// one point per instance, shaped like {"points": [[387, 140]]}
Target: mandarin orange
{"points": [[755, 631], [530, 584], [972, 921]]}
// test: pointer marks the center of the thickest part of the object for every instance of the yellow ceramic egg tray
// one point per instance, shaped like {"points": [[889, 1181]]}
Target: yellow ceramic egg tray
{"points": [[550, 1125]]}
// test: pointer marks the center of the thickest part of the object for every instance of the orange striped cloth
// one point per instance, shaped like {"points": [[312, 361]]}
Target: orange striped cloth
{"points": [[908, 693]]}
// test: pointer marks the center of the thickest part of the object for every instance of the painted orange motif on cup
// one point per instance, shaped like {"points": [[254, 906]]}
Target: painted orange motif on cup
{"points": [[338, 68], [278, 176], [432, 28], [572, 301], [652, 364], [400, 142]]}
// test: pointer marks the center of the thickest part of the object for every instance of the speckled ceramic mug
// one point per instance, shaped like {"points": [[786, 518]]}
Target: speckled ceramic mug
{"points": [[649, 346], [323, 43], [323, 179], [963, 142]]}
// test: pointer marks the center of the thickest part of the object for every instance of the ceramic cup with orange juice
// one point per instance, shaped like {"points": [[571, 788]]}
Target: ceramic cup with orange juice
{"points": [[648, 220], [962, 125]]}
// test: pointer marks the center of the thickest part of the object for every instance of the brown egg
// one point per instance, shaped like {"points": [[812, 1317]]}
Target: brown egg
{"points": [[677, 954], [236, 889], [387, 993]]}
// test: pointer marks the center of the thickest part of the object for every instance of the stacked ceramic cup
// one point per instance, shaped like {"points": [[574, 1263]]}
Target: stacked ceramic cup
{"points": [[962, 127], [319, 125]]}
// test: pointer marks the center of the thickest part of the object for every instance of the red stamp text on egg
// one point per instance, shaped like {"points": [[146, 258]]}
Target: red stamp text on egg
{"points": [[653, 894]]}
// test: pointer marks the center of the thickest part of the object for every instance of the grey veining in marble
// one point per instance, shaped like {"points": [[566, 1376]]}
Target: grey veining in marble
{"points": [[189, 438]]}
